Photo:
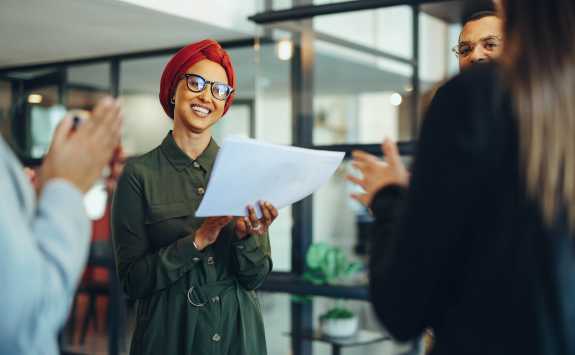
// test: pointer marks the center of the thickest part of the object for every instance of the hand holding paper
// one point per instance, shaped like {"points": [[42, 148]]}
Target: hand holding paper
{"points": [[278, 174]]}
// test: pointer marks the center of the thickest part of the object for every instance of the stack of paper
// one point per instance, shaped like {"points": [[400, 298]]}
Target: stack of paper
{"points": [[247, 171]]}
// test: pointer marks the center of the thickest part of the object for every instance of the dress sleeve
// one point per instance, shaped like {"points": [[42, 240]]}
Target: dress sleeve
{"points": [[253, 260]]}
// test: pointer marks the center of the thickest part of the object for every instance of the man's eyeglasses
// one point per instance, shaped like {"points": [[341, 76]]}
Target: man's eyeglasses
{"points": [[489, 44], [197, 83]]}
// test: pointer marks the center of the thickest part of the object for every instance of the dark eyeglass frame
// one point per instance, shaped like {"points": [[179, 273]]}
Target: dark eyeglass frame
{"points": [[212, 84], [483, 41]]}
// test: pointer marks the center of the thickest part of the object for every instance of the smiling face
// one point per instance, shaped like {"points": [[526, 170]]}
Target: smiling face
{"points": [[480, 41], [198, 111]]}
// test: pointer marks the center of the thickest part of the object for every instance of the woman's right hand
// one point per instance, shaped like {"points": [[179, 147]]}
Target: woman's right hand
{"points": [[209, 231]]}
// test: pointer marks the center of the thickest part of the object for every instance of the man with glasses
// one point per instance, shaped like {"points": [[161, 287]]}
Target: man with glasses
{"points": [[481, 37]]}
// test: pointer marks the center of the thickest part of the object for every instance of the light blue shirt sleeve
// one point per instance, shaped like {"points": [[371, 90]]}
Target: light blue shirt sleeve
{"points": [[43, 253]]}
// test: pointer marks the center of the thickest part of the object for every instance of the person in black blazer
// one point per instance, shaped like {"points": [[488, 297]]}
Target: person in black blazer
{"points": [[483, 249]]}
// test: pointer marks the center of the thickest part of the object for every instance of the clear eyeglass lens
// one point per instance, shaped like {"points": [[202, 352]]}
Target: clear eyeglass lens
{"points": [[196, 83], [221, 91]]}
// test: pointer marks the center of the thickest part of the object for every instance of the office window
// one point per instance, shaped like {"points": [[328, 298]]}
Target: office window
{"points": [[145, 123], [357, 98], [273, 124], [276, 315], [86, 84], [362, 75]]}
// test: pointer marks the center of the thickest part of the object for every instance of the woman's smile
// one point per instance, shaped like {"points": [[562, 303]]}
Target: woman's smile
{"points": [[201, 110]]}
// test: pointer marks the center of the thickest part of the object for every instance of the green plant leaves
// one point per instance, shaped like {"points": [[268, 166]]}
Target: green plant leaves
{"points": [[327, 264], [337, 313]]}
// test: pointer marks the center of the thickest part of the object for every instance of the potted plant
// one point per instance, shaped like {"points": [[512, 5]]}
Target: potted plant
{"points": [[328, 265]]}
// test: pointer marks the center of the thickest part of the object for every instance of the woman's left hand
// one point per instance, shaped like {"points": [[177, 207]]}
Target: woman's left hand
{"points": [[253, 225]]}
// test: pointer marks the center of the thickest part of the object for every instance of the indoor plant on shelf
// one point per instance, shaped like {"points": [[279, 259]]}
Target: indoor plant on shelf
{"points": [[328, 265]]}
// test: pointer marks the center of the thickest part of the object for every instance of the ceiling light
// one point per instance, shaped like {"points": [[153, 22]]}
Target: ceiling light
{"points": [[395, 99], [285, 49], [34, 99]]}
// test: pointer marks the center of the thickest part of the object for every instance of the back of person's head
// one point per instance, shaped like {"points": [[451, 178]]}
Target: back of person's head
{"points": [[539, 65]]}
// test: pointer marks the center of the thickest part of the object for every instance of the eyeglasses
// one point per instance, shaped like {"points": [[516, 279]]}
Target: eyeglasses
{"points": [[197, 83], [489, 44]]}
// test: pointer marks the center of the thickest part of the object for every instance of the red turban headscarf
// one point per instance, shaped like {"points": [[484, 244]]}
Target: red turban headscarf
{"points": [[186, 57]]}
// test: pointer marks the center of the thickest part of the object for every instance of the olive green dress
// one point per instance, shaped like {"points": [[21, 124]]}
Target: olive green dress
{"points": [[188, 302]]}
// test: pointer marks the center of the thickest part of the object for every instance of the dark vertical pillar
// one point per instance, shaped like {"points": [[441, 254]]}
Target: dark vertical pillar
{"points": [[302, 91], [117, 313], [415, 77], [115, 77]]}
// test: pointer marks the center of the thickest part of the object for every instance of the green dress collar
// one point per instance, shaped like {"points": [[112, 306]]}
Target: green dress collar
{"points": [[181, 160]]}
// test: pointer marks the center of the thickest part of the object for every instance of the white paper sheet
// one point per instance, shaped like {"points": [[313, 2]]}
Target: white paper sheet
{"points": [[247, 171]]}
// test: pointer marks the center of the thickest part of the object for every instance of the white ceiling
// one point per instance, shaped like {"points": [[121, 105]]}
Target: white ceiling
{"points": [[40, 31]]}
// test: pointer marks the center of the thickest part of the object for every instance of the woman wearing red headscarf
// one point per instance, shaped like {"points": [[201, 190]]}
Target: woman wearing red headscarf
{"points": [[193, 278]]}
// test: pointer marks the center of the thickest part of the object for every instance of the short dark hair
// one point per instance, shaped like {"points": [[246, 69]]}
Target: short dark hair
{"points": [[478, 16], [477, 9]]}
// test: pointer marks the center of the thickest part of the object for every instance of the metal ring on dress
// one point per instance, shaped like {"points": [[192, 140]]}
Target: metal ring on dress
{"points": [[190, 294]]}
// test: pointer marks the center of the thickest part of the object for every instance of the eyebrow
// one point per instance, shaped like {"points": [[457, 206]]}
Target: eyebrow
{"points": [[201, 76], [482, 39], [490, 37]]}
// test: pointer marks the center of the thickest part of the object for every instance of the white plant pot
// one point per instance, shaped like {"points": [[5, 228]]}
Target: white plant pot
{"points": [[339, 328]]}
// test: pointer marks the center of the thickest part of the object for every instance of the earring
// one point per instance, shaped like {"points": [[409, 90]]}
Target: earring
{"points": [[173, 101]]}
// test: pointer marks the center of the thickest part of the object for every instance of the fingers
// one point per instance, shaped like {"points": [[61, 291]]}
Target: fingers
{"points": [[101, 107], [241, 224], [355, 180], [241, 228], [253, 219], [361, 156], [62, 131], [359, 164], [361, 198], [390, 152], [273, 211], [267, 216], [108, 123], [255, 226], [104, 127]]}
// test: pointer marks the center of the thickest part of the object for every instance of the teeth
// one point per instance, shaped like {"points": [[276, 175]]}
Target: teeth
{"points": [[200, 109]]}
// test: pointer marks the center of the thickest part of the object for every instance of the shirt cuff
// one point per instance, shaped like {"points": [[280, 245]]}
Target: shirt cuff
{"points": [[247, 244], [187, 249], [69, 200], [386, 200]]}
